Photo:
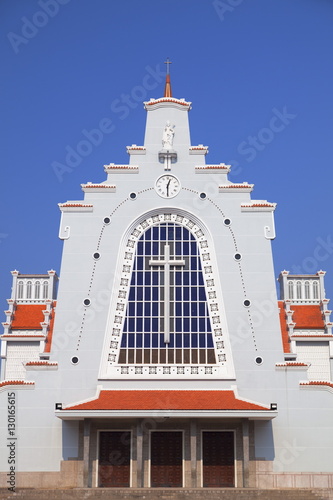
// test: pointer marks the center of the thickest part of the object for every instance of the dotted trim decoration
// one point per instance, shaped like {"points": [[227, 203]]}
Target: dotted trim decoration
{"points": [[239, 267], [106, 222]]}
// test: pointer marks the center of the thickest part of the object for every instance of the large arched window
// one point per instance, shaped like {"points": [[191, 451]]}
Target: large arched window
{"points": [[291, 289], [20, 290], [306, 289], [37, 289], [29, 289], [298, 290]]}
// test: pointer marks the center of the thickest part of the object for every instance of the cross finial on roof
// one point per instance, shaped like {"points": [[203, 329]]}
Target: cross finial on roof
{"points": [[167, 89], [168, 62]]}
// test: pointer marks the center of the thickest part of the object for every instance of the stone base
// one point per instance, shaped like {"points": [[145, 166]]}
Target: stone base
{"points": [[69, 476], [266, 478]]}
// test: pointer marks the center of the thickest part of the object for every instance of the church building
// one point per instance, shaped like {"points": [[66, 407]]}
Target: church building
{"points": [[163, 356]]}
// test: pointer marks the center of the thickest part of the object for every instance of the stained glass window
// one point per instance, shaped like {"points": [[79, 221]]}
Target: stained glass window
{"points": [[167, 318]]}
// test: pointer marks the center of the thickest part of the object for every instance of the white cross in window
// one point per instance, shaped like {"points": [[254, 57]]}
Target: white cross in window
{"points": [[166, 262]]}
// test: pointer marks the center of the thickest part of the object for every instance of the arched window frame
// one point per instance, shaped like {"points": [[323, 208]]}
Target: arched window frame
{"points": [[20, 289], [224, 367], [307, 290], [315, 289], [298, 290], [37, 289], [29, 289], [45, 289], [291, 289]]}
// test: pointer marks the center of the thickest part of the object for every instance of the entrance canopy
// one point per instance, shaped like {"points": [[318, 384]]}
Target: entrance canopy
{"points": [[170, 403]]}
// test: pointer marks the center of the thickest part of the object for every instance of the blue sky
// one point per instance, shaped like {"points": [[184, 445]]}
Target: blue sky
{"points": [[259, 74]]}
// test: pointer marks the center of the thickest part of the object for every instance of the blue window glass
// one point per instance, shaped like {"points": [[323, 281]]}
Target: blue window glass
{"points": [[140, 248], [194, 340], [194, 309], [178, 324], [155, 278], [155, 340], [179, 339], [139, 277], [131, 309], [139, 308], [202, 340], [155, 308], [186, 278], [190, 326], [147, 340], [139, 340], [131, 340]]}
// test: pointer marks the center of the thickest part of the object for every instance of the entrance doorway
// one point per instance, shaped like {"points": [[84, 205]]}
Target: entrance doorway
{"points": [[166, 459], [114, 459], [218, 458]]}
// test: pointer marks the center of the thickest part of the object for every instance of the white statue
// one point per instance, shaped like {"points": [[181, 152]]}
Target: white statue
{"points": [[168, 134]]}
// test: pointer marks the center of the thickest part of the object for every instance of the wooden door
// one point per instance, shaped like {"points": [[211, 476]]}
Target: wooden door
{"points": [[114, 459], [167, 459], [218, 459]]}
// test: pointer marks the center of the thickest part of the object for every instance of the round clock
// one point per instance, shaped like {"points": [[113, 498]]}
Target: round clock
{"points": [[167, 186]]}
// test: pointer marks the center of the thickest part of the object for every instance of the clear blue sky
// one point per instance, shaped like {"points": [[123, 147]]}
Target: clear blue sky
{"points": [[68, 64]]}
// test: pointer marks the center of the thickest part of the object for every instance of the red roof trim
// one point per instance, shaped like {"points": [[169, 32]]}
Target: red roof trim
{"points": [[317, 382], [48, 340], [284, 328], [166, 99], [41, 363], [15, 382], [167, 400]]}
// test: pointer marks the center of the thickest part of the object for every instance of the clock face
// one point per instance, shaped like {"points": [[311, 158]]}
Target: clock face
{"points": [[167, 186]]}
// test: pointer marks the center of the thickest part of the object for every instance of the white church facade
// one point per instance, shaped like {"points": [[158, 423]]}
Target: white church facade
{"points": [[164, 358]]}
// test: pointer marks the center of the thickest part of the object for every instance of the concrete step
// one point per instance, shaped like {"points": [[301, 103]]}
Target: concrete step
{"points": [[166, 494]]}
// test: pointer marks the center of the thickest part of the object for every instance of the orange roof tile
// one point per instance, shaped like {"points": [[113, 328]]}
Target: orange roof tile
{"points": [[284, 327], [308, 316], [28, 317], [166, 400]]}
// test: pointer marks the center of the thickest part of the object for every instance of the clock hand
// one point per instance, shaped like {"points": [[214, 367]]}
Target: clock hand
{"points": [[167, 187]]}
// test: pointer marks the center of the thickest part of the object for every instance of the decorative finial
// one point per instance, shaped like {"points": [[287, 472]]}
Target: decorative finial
{"points": [[167, 89]]}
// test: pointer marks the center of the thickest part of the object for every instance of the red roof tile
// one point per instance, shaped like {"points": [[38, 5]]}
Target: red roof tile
{"points": [[284, 327], [28, 317], [167, 400], [307, 316]]}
